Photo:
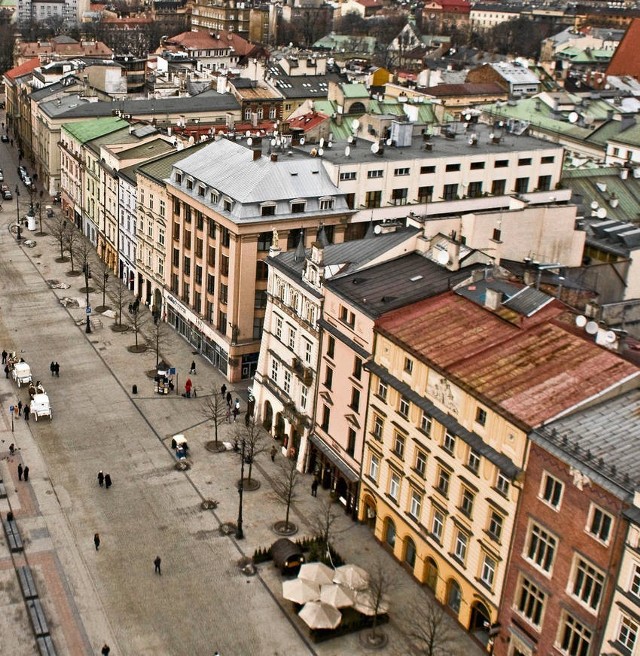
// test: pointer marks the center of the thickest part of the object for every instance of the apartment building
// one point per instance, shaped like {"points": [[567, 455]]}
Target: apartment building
{"points": [[571, 552], [457, 383]]}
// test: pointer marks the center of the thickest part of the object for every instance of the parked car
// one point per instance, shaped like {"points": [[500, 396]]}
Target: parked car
{"points": [[6, 192], [27, 181], [1, 176], [22, 171]]}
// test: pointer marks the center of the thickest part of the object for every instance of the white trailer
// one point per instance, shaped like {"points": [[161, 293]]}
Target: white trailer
{"points": [[40, 406], [21, 373]]}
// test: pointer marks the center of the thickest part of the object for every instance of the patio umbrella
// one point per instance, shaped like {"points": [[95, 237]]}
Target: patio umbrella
{"points": [[365, 604], [317, 573], [300, 591], [337, 596], [317, 615], [352, 576]]}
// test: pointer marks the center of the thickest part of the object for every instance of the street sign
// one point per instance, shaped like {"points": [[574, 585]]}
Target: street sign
{"points": [[11, 408], [88, 310], [172, 371]]}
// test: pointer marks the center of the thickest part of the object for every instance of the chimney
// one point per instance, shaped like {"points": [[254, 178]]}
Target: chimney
{"points": [[492, 299], [257, 154], [274, 157]]}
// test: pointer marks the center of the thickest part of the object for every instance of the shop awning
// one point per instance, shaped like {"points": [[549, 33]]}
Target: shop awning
{"points": [[345, 468]]}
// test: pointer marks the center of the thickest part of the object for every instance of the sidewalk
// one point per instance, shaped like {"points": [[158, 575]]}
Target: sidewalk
{"points": [[98, 422]]}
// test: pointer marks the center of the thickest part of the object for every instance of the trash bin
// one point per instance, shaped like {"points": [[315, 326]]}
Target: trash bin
{"points": [[31, 223]]}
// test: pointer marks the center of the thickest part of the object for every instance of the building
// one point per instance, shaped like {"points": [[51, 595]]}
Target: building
{"points": [[226, 201], [60, 47], [443, 14], [513, 77], [450, 411], [485, 16], [624, 60], [567, 547], [70, 11], [222, 16]]}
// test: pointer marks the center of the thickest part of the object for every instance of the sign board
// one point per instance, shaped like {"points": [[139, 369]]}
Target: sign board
{"points": [[172, 371], [88, 310], [12, 408]]}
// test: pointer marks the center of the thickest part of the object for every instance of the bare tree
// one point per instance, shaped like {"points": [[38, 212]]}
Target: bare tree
{"points": [[159, 335], [101, 281], [71, 240], [120, 298], [322, 525], [59, 229], [82, 249], [138, 319], [428, 629], [285, 486], [215, 410], [253, 435], [381, 582]]}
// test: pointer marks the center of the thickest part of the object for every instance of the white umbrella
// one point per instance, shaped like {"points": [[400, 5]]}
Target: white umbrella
{"points": [[352, 576], [336, 596], [317, 615], [366, 604], [317, 573], [300, 591]]}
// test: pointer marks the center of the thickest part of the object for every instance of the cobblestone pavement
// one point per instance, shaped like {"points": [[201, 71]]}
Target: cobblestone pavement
{"points": [[202, 601]]}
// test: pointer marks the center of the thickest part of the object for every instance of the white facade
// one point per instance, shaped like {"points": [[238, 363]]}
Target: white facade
{"points": [[485, 17], [33, 10], [127, 221]]}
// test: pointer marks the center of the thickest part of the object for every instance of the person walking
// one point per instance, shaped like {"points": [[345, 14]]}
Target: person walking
{"points": [[274, 451], [193, 367], [107, 481], [12, 449], [20, 471], [4, 357], [19, 408], [106, 650], [228, 414], [187, 388], [314, 488], [156, 564], [96, 540], [52, 368], [229, 399], [26, 411], [57, 370], [100, 478], [25, 473], [6, 371], [235, 413], [223, 390]]}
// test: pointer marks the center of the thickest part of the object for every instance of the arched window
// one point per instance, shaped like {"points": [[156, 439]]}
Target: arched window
{"points": [[390, 533], [454, 596], [409, 551]]}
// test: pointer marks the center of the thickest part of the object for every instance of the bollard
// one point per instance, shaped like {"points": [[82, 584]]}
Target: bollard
{"points": [[134, 389]]}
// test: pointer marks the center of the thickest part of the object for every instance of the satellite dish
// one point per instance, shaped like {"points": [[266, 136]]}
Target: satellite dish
{"points": [[302, 141], [321, 151], [581, 321], [350, 139], [247, 133], [470, 141], [591, 327], [377, 229], [594, 205], [321, 142], [573, 117], [355, 124], [491, 136], [442, 257], [347, 151], [249, 141], [610, 337], [388, 142], [467, 117], [602, 213], [375, 147]]}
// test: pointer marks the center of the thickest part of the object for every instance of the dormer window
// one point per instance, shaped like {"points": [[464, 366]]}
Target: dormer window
{"points": [[178, 177], [201, 190], [298, 206], [227, 204], [215, 197], [327, 203], [267, 209], [189, 183]]}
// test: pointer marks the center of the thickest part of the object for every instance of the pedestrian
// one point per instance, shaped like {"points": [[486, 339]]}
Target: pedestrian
{"points": [[223, 390], [57, 370], [4, 357], [26, 410], [274, 450], [19, 471], [106, 650], [52, 368], [187, 388], [228, 414], [96, 540], [314, 488], [16, 411], [100, 478], [19, 408], [156, 564], [237, 404], [12, 449], [235, 414], [6, 371], [229, 399], [193, 367], [25, 473], [107, 481]]}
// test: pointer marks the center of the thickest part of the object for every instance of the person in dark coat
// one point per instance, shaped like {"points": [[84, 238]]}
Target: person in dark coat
{"points": [[96, 540], [19, 471], [57, 370], [26, 411], [52, 368], [107, 481], [4, 357], [156, 564], [25, 474], [106, 650], [6, 371], [235, 413], [19, 408], [314, 488], [274, 451], [229, 399], [193, 367], [223, 390], [100, 478]]}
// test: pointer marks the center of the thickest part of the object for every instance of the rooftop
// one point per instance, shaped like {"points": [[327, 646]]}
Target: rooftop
{"points": [[625, 60], [533, 370], [83, 131]]}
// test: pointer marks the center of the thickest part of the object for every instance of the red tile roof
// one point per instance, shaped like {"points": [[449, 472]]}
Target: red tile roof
{"points": [[533, 372], [204, 40], [307, 121], [625, 60], [23, 69]]}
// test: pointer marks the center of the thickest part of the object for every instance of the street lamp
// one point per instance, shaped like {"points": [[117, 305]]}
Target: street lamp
{"points": [[18, 211], [239, 531], [86, 287], [104, 286]]}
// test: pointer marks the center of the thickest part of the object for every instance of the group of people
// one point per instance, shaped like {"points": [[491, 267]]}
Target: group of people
{"points": [[22, 410], [104, 480], [35, 389], [54, 367], [233, 407], [9, 360], [23, 472]]}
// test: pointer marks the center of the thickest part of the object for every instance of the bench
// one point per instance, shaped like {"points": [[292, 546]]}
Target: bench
{"points": [[3, 490], [13, 535], [27, 584], [38, 620], [45, 645]]}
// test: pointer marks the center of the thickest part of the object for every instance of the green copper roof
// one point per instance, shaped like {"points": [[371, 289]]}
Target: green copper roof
{"points": [[84, 131]]}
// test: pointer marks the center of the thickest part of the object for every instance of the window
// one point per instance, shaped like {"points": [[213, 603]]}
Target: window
{"points": [[551, 491], [495, 526], [473, 462], [262, 270], [628, 633], [268, 210], [287, 382], [275, 366], [328, 377], [481, 416], [408, 365], [198, 274], [331, 347], [326, 203], [346, 316], [398, 445], [415, 505], [452, 167], [378, 427], [474, 190], [530, 602], [357, 368], [399, 196], [373, 199], [378, 173], [475, 166], [502, 484], [264, 240], [544, 182], [223, 296], [443, 482], [547, 159], [382, 390], [292, 338], [634, 587], [421, 462], [541, 548], [401, 171], [374, 467], [403, 407], [278, 327], [498, 187], [449, 443], [348, 175], [224, 265], [355, 399], [260, 299], [461, 544], [425, 194], [437, 524], [466, 504], [488, 570], [600, 524], [575, 638], [587, 584], [394, 486], [298, 207], [425, 423], [186, 266], [524, 161], [326, 417], [501, 164], [258, 325], [450, 192], [522, 185], [427, 169]]}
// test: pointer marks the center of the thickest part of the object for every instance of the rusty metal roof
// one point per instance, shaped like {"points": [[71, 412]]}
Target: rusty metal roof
{"points": [[534, 371]]}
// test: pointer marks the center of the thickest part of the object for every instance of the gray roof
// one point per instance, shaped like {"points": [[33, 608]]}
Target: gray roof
{"points": [[229, 168], [300, 86], [396, 283], [521, 299], [160, 169], [56, 87], [604, 441], [75, 106]]}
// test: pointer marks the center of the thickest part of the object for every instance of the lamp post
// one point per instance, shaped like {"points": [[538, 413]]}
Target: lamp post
{"points": [[104, 286], [18, 211], [239, 531], [86, 286]]}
